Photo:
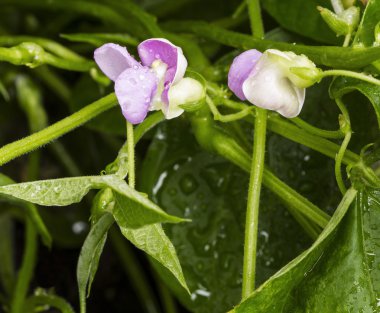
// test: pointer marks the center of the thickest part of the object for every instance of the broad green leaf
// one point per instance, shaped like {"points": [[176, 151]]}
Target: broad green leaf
{"points": [[345, 85], [153, 241], [365, 35], [339, 273], [369, 203], [301, 17], [7, 270], [57, 192], [31, 210], [89, 256], [212, 192], [134, 209]]}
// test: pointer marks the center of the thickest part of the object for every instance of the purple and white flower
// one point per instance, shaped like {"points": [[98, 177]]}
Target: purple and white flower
{"points": [[268, 81], [157, 83]]}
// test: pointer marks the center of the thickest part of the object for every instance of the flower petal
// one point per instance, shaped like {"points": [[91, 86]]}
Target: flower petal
{"points": [[135, 88], [113, 59], [161, 49], [186, 91], [269, 88], [240, 69]]}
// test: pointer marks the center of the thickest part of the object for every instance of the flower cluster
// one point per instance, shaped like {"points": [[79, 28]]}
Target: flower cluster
{"points": [[157, 83], [273, 80]]}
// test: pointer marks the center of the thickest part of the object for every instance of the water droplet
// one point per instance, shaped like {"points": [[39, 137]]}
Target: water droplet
{"points": [[56, 189], [141, 76], [157, 56], [188, 184], [79, 227]]}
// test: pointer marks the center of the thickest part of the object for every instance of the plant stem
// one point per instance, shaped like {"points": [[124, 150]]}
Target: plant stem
{"points": [[253, 202], [331, 134], [363, 77], [324, 146], [36, 140], [254, 11], [346, 127], [131, 156], [256, 172], [338, 162], [26, 271]]}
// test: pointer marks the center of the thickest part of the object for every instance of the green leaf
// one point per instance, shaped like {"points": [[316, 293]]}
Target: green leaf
{"points": [[89, 256], [133, 208], [365, 35], [301, 17], [153, 241], [57, 192], [339, 273], [345, 85]]}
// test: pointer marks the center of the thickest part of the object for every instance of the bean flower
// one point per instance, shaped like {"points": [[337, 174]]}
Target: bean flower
{"points": [[272, 80], [157, 83]]}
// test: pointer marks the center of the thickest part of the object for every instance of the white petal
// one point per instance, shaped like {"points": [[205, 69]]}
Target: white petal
{"points": [[186, 91], [270, 89]]}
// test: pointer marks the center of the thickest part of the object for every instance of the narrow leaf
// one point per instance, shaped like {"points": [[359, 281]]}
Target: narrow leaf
{"points": [[89, 256]]}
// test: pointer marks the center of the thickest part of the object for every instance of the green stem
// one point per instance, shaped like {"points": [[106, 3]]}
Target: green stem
{"points": [[253, 203], [134, 272], [212, 138], [324, 146], [254, 11], [36, 140], [347, 39], [51, 300], [335, 57], [346, 127], [131, 156], [26, 271], [363, 77], [338, 162], [331, 134]]}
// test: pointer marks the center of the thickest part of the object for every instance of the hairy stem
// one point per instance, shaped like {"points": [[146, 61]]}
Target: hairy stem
{"points": [[131, 156], [36, 140], [253, 203]]}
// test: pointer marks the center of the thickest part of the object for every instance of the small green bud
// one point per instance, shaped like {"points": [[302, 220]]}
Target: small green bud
{"points": [[337, 24], [344, 124], [309, 75], [32, 54]]}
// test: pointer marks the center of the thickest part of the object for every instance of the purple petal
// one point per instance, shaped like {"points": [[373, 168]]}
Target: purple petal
{"points": [[240, 69], [161, 49], [113, 59], [135, 88]]}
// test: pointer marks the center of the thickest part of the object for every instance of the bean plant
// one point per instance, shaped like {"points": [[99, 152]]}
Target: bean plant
{"points": [[189, 156]]}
